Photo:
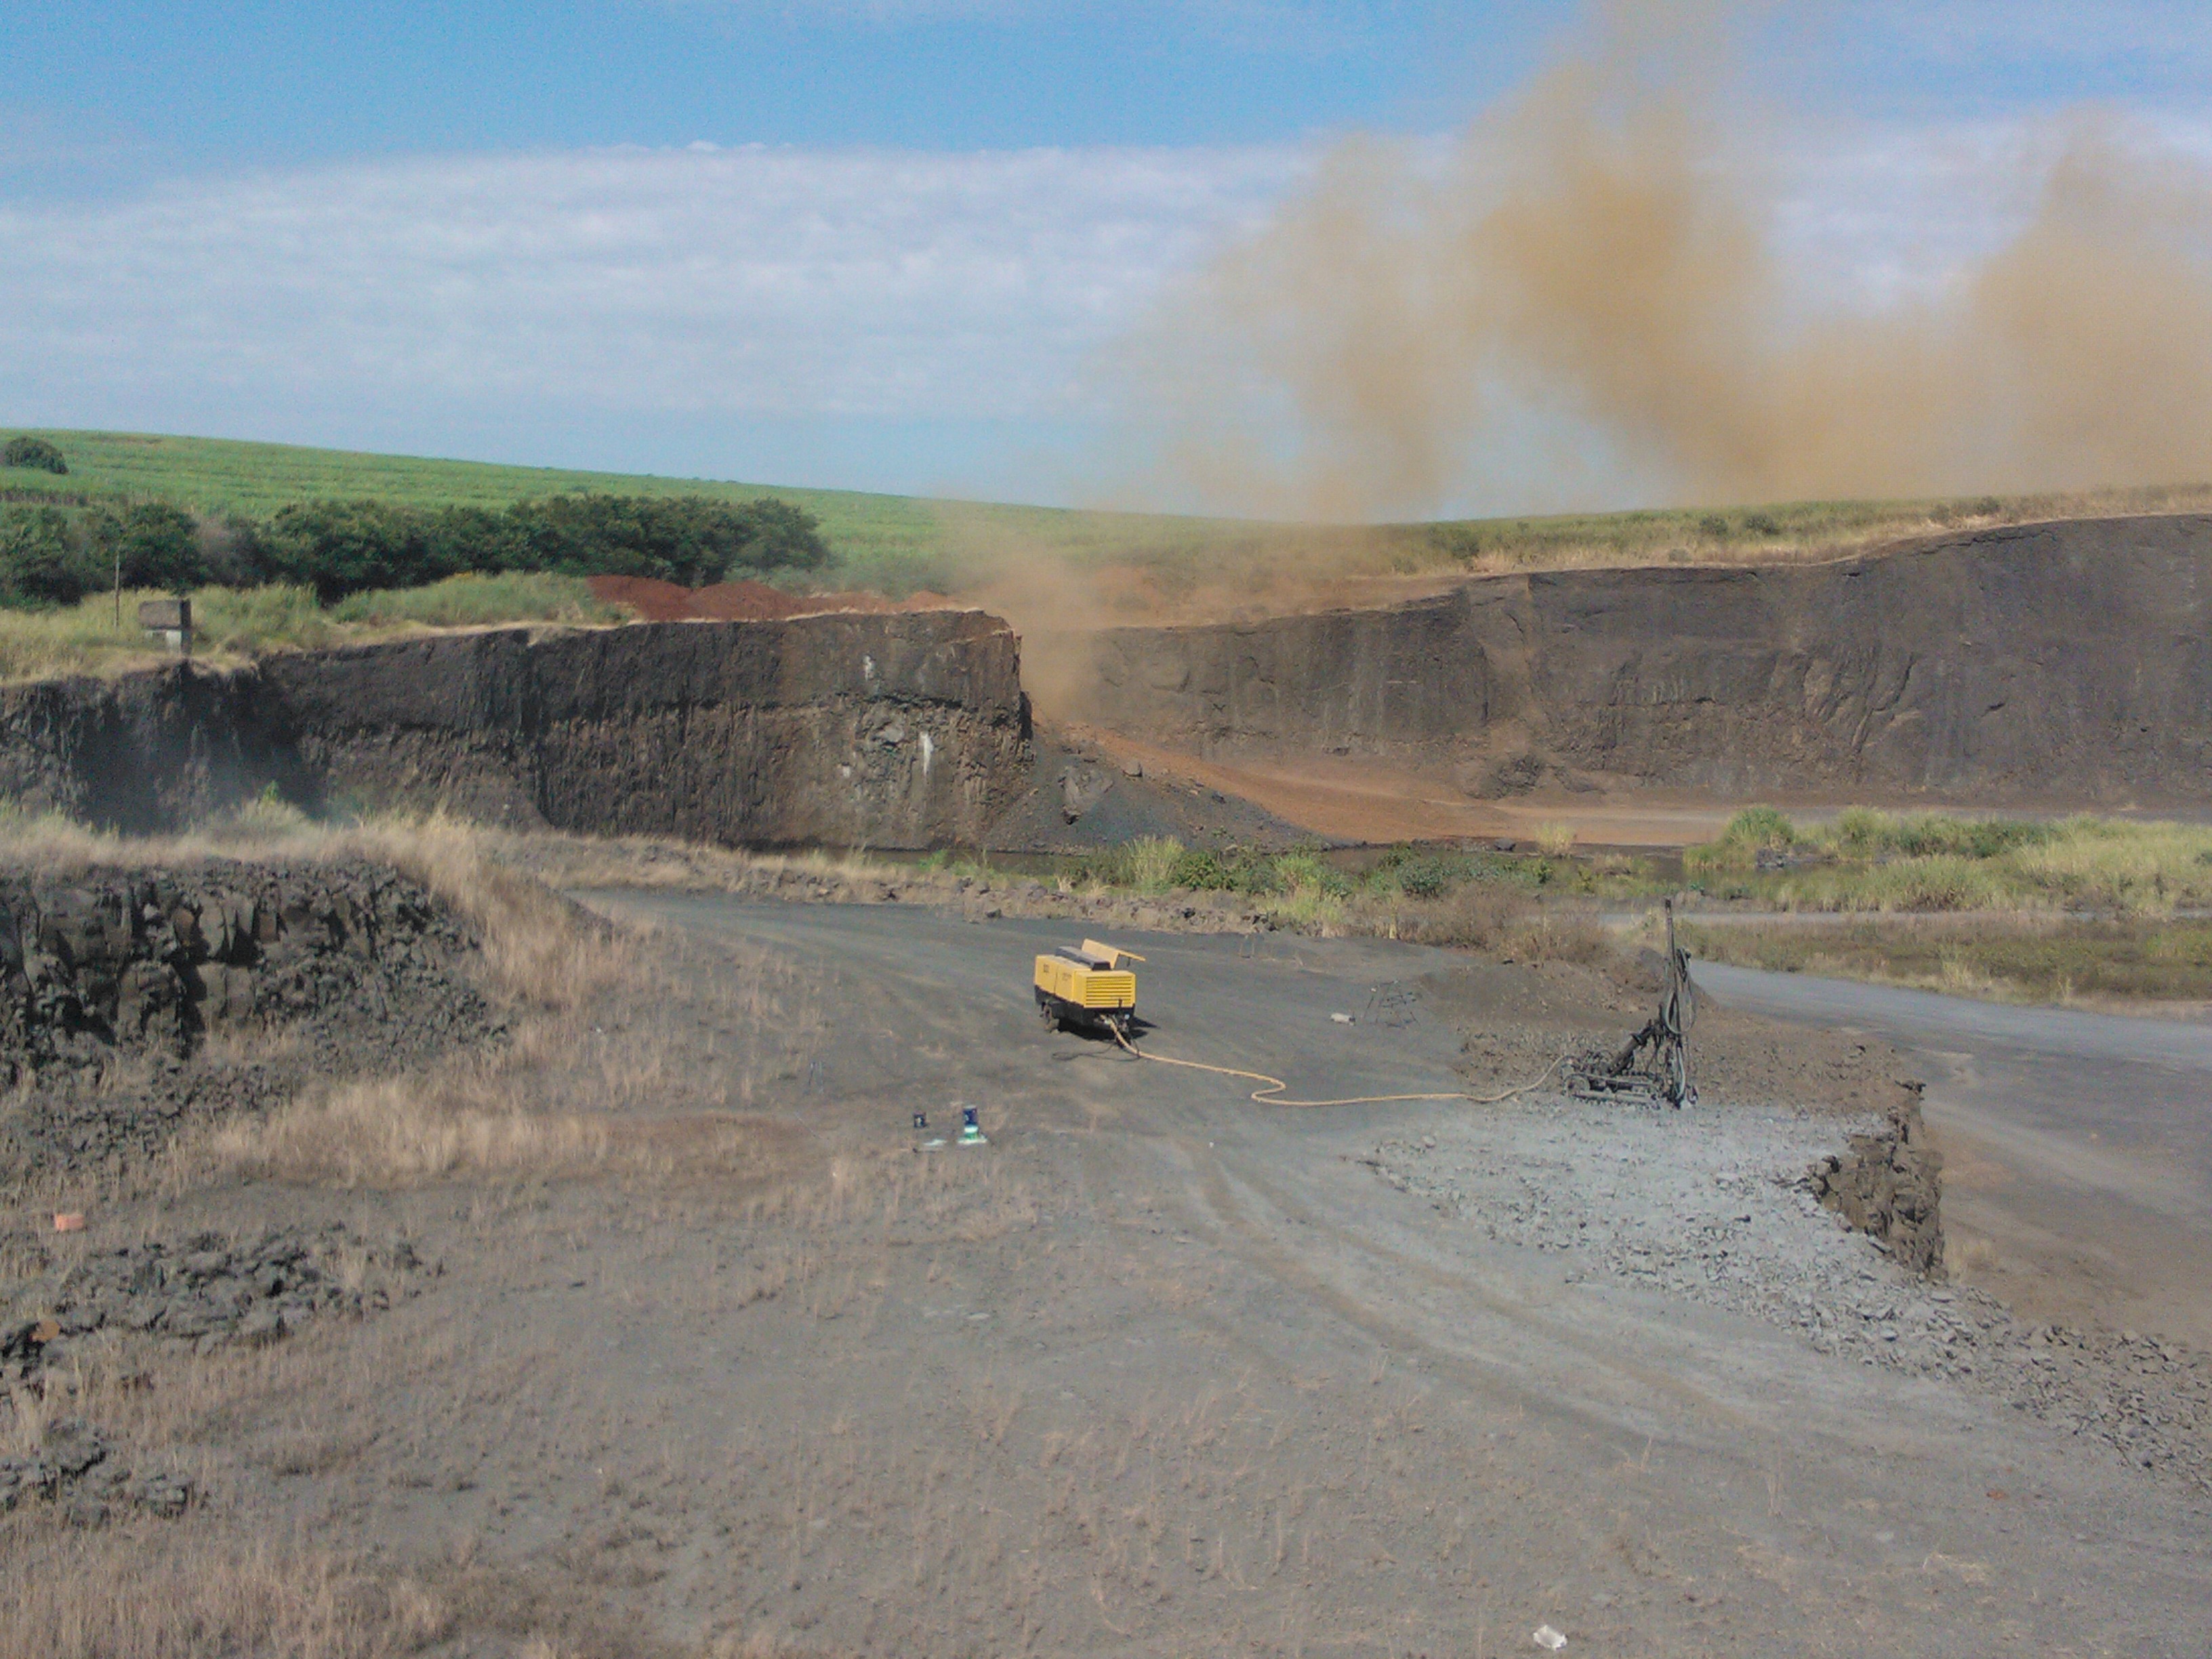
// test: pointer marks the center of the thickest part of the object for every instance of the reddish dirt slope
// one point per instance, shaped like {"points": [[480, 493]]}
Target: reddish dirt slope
{"points": [[660, 601]]}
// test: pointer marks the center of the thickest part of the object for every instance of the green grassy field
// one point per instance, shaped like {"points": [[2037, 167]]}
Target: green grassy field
{"points": [[897, 541], [900, 542], [1933, 862]]}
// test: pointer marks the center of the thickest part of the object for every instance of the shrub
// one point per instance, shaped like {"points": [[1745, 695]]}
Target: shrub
{"points": [[1761, 524], [339, 548], [1866, 833], [1425, 877], [1760, 828], [40, 564], [1713, 526], [1749, 833], [1555, 840], [36, 453], [1863, 832], [1152, 861], [1200, 870], [784, 536], [1304, 871], [1259, 878]]}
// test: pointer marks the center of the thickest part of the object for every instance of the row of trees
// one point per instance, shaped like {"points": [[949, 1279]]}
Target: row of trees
{"points": [[55, 555]]}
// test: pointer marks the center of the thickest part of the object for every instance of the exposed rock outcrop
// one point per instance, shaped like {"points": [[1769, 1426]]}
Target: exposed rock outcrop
{"points": [[113, 983], [891, 730], [1889, 1186], [2057, 662], [208, 1290]]}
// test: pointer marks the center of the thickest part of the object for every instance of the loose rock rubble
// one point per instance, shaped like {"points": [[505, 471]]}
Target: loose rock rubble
{"points": [[1716, 1208], [207, 1290], [76, 1466], [1889, 1184], [113, 983]]}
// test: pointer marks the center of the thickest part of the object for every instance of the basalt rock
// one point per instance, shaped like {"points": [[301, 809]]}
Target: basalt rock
{"points": [[75, 1467], [889, 731], [1889, 1186], [2061, 663], [116, 985], [208, 1290]]}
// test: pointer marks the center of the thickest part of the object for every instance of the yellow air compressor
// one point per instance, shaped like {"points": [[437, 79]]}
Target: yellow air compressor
{"points": [[1086, 984]]}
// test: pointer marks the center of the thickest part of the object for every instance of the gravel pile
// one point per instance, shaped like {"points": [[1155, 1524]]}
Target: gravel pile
{"points": [[76, 1466], [209, 1291], [1717, 1209]]}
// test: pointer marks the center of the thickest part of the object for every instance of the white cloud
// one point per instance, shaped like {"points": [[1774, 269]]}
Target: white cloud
{"points": [[437, 303], [747, 282]]}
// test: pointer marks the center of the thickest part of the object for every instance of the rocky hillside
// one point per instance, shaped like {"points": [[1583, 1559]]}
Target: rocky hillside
{"points": [[890, 730], [2062, 662]]}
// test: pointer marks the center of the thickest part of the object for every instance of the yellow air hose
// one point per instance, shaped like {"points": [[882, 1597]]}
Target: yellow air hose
{"points": [[1271, 1095]]}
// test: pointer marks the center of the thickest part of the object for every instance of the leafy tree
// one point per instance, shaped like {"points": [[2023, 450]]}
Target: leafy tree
{"points": [[41, 564], [156, 545], [26, 451], [785, 537], [340, 547]]}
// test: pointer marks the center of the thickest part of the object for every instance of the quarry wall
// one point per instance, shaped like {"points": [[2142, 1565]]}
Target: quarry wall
{"points": [[2067, 662], [893, 730]]}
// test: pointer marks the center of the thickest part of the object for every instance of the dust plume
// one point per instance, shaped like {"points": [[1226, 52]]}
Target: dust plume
{"points": [[1583, 305]]}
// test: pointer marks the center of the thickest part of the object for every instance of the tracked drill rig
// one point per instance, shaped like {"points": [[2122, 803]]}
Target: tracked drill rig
{"points": [[1654, 1065]]}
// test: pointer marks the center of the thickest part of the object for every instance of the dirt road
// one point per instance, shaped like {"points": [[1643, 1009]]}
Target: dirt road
{"points": [[2078, 1146], [1214, 1387]]}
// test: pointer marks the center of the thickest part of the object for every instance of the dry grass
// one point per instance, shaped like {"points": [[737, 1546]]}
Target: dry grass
{"points": [[1487, 919], [540, 950], [235, 626], [588, 1081], [595, 1078], [1769, 534], [1555, 840], [581, 861], [68, 1595]]}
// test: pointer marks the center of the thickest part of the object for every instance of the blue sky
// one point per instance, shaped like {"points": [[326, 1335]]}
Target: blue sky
{"points": [[844, 243], [216, 85]]}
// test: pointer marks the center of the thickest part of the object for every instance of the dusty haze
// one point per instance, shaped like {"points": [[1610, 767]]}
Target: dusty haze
{"points": [[1583, 307]]}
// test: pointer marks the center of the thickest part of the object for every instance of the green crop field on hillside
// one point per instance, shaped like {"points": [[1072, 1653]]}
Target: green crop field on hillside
{"points": [[217, 475], [900, 542]]}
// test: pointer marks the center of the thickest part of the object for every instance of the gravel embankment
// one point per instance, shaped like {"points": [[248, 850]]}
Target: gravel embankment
{"points": [[1717, 1209]]}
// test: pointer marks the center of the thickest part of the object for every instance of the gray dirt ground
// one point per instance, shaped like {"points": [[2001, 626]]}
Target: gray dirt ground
{"points": [[1160, 1371]]}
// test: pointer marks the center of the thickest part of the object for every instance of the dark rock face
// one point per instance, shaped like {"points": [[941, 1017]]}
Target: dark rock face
{"points": [[112, 983], [2064, 662], [893, 731], [1890, 1187]]}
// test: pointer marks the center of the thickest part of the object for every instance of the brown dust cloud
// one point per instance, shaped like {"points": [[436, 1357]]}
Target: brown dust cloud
{"points": [[1583, 306]]}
